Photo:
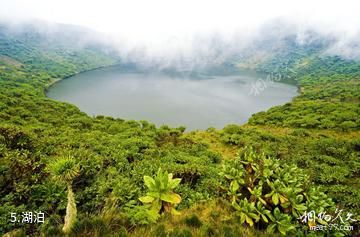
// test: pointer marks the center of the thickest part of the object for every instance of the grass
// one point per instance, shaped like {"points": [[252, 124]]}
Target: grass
{"points": [[212, 138], [215, 217]]}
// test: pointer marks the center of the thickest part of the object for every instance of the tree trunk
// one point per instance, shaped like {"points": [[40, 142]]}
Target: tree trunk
{"points": [[71, 211]]}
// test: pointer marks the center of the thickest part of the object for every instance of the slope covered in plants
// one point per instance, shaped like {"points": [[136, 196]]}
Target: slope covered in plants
{"points": [[297, 157]]}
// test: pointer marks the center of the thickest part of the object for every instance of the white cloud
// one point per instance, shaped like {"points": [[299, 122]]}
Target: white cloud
{"points": [[155, 19], [177, 27]]}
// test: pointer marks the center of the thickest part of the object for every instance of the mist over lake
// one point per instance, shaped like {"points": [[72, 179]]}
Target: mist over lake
{"points": [[197, 102]]}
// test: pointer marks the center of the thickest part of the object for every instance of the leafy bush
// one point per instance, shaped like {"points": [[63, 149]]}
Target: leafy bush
{"points": [[264, 191], [160, 196]]}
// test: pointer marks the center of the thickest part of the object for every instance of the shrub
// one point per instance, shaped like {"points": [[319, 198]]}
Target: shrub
{"points": [[262, 190], [160, 196], [193, 221]]}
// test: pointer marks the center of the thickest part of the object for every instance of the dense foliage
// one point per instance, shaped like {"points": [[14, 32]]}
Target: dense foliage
{"points": [[102, 174], [266, 192]]}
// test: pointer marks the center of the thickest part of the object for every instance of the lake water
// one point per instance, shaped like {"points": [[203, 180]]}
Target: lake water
{"points": [[197, 102]]}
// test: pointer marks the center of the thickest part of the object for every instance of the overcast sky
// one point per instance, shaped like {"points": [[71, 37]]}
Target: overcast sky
{"points": [[169, 27], [141, 18]]}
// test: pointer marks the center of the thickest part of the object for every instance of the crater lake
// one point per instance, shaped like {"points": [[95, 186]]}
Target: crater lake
{"points": [[196, 101]]}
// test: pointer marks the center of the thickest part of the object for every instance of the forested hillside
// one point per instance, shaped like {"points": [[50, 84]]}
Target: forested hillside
{"points": [[111, 177]]}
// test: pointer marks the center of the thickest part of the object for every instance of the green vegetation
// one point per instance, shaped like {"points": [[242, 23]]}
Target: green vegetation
{"points": [[266, 192], [301, 156], [160, 194], [65, 170], [329, 99]]}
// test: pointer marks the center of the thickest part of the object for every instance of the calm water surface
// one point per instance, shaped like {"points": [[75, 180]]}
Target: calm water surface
{"points": [[195, 102]]}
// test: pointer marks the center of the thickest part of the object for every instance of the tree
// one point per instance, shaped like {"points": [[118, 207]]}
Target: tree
{"points": [[65, 169]]}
